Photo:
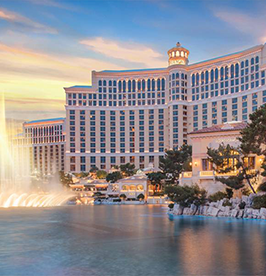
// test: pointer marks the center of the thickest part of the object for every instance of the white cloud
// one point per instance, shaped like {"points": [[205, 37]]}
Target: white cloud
{"points": [[25, 22], [252, 25], [132, 52]]}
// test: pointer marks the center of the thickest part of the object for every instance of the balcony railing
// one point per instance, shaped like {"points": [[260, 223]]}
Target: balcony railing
{"points": [[186, 174]]}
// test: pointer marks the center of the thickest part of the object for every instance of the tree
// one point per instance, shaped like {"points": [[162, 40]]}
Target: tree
{"points": [[94, 169], [187, 195], [127, 169], [65, 178], [101, 174], [156, 179], [123, 196], [253, 138], [113, 177], [228, 159], [140, 197], [174, 161]]}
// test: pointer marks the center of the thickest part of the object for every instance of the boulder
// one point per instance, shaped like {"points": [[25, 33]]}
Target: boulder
{"points": [[178, 210], [234, 213], [213, 211], [263, 212], [240, 213], [226, 211]]}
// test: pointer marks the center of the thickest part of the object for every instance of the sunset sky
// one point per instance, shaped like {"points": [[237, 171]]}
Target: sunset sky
{"points": [[46, 45]]}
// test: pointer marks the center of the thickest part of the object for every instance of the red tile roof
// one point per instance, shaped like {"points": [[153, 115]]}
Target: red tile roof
{"points": [[230, 126]]}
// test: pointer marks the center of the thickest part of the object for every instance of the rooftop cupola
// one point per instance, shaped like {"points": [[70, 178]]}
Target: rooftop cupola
{"points": [[178, 55]]}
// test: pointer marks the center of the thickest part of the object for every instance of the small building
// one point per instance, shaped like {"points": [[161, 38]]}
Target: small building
{"points": [[202, 171]]}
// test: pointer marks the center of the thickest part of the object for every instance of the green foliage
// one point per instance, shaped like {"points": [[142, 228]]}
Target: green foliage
{"points": [[229, 192], [65, 178], [140, 197], [113, 177], [259, 202], [242, 205], [127, 169], [174, 161], [228, 159], [101, 174], [94, 169], [156, 179], [262, 187], [246, 191], [123, 196], [227, 203], [171, 206], [186, 195], [217, 196]]}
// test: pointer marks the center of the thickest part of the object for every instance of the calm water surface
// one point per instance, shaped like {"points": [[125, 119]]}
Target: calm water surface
{"points": [[127, 240]]}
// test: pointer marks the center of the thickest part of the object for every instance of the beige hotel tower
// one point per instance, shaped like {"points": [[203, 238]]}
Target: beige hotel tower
{"points": [[135, 115]]}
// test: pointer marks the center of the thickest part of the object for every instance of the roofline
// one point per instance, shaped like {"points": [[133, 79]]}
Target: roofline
{"points": [[45, 121]]}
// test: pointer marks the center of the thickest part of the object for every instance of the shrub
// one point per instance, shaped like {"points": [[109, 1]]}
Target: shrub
{"points": [[171, 206], [227, 203], [217, 196], [140, 197], [123, 196], [246, 191], [259, 202], [262, 187], [242, 205], [186, 195], [229, 192]]}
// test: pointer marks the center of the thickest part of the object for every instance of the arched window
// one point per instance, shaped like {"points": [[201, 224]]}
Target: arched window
{"points": [[125, 187], [100, 83], [237, 70], [143, 85], [124, 86], [149, 85], [133, 86], [197, 79], [132, 187], [163, 84], [182, 53], [158, 84], [242, 64], [110, 83], [177, 53], [104, 83], [193, 80], [153, 85], [252, 61], [202, 78], [206, 77], [212, 75], [226, 72], [222, 73], [246, 62], [173, 76], [232, 69], [129, 86], [182, 76], [216, 74], [119, 86], [177, 75], [139, 85], [257, 59], [114, 83]]}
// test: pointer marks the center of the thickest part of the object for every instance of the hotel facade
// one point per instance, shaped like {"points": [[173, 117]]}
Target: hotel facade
{"points": [[135, 115]]}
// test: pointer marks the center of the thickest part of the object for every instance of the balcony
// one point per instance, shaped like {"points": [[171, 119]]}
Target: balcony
{"points": [[186, 175]]}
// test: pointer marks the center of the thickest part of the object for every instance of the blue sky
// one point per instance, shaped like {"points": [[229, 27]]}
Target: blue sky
{"points": [[46, 45]]}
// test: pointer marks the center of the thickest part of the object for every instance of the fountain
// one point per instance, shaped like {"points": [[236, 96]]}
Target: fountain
{"points": [[15, 176]]}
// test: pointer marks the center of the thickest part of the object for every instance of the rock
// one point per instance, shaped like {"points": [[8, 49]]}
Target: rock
{"points": [[187, 211], [245, 199], [234, 213], [263, 212], [178, 210], [255, 212], [213, 204], [226, 211], [240, 213], [213, 211]]}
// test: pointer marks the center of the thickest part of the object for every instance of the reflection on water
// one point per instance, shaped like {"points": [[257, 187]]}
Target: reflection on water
{"points": [[127, 240]]}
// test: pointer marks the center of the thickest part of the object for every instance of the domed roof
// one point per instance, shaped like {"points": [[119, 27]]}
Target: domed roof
{"points": [[178, 55]]}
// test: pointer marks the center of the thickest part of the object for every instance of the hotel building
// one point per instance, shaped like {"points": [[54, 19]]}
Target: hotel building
{"points": [[135, 115], [46, 139]]}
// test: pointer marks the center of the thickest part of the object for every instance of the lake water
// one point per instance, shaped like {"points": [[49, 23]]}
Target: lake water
{"points": [[127, 240]]}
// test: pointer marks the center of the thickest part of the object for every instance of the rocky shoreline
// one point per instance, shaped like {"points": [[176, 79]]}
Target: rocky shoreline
{"points": [[217, 209]]}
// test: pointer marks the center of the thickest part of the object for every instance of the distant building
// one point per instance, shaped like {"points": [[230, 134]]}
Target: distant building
{"points": [[47, 140], [202, 170], [135, 115]]}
